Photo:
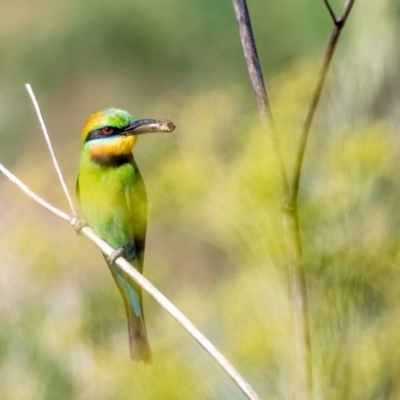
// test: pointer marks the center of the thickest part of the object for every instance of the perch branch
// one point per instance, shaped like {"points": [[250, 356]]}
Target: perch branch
{"points": [[148, 287], [127, 267]]}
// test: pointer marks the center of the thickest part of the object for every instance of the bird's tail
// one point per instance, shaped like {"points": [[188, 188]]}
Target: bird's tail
{"points": [[132, 296], [138, 342]]}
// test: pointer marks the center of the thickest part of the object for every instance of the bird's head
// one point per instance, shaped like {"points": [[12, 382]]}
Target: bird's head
{"points": [[114, 132]]}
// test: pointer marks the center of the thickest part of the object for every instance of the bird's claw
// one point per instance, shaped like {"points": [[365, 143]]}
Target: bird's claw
{"points": [[115, 254], [78, 224]]}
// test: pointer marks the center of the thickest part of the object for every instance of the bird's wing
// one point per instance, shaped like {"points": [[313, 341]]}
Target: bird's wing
{"points": [[137, 204]]}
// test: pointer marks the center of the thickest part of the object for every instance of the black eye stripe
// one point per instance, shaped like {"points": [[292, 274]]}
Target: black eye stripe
{"points": [[99, 134]]}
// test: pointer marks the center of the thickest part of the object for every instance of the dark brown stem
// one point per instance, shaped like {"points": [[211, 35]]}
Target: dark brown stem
{"points": [[252, 60], [290, 220], [295, 182], [257, 81], [290, 193]]}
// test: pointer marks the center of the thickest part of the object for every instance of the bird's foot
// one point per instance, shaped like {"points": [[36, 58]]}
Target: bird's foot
{"points": [[78, 224], [115, 254]]}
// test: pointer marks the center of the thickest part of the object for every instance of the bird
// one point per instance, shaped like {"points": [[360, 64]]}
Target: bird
{"points": [[112, 196]]}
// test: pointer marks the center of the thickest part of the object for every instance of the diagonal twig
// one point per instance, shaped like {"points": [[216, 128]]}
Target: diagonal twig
{"points": [[247, 390], [125, 266], [50, 146]]}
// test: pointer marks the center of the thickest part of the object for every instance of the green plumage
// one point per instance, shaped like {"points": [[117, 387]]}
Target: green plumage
{"points": [[113, 199]]}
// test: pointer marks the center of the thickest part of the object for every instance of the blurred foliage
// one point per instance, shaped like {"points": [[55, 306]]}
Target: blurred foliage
{"points": [[215, 243]]}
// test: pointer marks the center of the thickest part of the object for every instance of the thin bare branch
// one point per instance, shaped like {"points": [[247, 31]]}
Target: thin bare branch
{"points": [[296, 266], [148, 287], [290, 221], [252, 61], [295, 182], [50, 146], [257, 81], [347, 9], [176, 314]]}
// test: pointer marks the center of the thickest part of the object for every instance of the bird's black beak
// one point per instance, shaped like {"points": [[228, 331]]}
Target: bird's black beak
{"points": [[141, 126]]}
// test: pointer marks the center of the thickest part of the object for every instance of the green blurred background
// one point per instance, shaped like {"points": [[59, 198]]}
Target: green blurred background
{"points": [[215, 243]]}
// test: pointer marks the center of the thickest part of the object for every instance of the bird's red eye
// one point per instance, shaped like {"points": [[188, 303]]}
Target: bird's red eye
{"points": [[107, 130]]}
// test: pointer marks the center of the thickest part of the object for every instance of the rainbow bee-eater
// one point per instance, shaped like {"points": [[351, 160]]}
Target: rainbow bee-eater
{"points": [[113, 199]]}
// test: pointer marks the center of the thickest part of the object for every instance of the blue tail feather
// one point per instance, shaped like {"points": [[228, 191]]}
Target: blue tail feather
{"points": [[132, 295]]}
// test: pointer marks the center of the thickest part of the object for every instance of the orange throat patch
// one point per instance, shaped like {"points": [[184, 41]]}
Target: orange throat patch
{"points": [[113, 147]]}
